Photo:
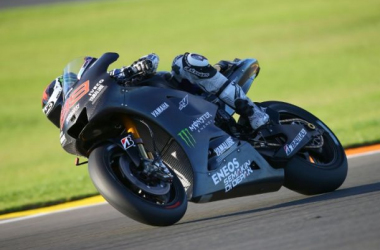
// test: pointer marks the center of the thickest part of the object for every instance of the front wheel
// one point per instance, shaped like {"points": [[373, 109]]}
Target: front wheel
{"points": [[157, 204], [313, 171]]}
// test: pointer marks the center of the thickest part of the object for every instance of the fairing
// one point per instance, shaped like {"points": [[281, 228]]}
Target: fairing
{"points": [[96, 98]]}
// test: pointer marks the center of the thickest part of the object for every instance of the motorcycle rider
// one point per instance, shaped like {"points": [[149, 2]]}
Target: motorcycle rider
{"points": [[196, 69], [186, 68]]}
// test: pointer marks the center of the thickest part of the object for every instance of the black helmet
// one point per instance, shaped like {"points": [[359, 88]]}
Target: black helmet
{"points": [[52, 101]]}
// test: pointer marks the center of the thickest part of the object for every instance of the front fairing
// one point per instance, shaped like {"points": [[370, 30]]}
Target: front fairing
{"points": [[82, 97], [186, 118]]}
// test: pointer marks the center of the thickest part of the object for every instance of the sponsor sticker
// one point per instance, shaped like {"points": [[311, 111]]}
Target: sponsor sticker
{"points": [[184, 102], [97, 91], [160, 109], [128, 142], [289, 148], [197, 125], [232, 174], [224, 146], [201, 122], [187, 137]]}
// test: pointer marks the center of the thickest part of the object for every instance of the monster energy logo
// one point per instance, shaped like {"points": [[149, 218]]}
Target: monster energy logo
{"points": [[187, 137]]}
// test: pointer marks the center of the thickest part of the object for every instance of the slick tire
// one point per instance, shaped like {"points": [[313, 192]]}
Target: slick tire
{"points": [[109, 183], [324, 173]]}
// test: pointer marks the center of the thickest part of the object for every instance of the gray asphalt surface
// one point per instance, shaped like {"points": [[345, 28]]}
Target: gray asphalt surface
{"points": [[345, 219]]}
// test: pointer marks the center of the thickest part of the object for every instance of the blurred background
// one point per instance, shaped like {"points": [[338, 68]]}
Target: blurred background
{"points": [[321, 55]]}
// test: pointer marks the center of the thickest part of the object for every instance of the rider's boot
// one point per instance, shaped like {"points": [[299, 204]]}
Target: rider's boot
{"points": [[258, 118], [256, 115]]}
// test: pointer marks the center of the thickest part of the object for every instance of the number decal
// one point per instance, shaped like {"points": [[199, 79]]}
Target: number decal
{"points": [[77, 94]]}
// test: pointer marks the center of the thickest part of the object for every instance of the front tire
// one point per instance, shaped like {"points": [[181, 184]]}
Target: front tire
{"points": [[103, 167], [320, 172]]}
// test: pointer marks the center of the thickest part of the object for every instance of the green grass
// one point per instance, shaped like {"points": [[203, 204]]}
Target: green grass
{"points": [[321, 55]]}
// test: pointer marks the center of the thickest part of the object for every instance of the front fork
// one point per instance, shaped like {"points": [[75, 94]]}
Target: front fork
{"points": [[152, 165], [129, 141], [131, 128]]}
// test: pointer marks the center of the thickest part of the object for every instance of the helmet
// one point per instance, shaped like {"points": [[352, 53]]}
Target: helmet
{"points": [[52, 101]]}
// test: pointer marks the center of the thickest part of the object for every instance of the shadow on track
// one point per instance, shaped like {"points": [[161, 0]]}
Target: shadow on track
{"points": [[341, 193]]}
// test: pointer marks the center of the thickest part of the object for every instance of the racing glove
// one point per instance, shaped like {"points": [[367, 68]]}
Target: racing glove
{"points": [[146, 65]]}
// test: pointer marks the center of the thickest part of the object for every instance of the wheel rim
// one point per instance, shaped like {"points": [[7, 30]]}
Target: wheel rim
{"points": [[157, 193]]}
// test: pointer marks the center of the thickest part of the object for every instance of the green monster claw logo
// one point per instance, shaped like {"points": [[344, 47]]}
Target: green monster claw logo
{"points": [[187, 137]]}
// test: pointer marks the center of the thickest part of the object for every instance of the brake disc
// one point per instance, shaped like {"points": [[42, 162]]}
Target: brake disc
{"points": [[160, 188]]}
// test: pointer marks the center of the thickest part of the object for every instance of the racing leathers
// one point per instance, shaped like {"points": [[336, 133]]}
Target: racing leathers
{"points": [[196, 69]]}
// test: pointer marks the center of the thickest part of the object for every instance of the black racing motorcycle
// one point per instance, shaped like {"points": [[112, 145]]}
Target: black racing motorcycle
{"points": [[152, 147]]}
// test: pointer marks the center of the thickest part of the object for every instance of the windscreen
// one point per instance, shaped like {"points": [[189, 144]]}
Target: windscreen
{"points": [[73, 72]]}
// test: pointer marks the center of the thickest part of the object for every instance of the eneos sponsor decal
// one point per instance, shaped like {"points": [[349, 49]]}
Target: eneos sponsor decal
{"points": [[232, 174]]}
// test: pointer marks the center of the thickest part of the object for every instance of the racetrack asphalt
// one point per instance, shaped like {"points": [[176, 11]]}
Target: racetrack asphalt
{"points": [[345, 219]]}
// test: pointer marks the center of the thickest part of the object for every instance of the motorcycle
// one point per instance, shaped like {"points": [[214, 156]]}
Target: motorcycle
{"points": [[153, 147]]}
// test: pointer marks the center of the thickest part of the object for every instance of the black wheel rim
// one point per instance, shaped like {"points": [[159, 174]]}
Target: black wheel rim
{"points": [[113, 158]]}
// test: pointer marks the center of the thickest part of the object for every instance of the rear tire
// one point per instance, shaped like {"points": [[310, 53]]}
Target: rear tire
{"points": [[320, 172], [121, 194]]}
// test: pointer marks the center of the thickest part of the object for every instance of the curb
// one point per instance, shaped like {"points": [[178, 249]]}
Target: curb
{"points": [[64, 206]]}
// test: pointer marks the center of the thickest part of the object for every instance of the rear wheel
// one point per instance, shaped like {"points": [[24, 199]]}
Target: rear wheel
{"points": [[118, 180], [313, 171]]}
